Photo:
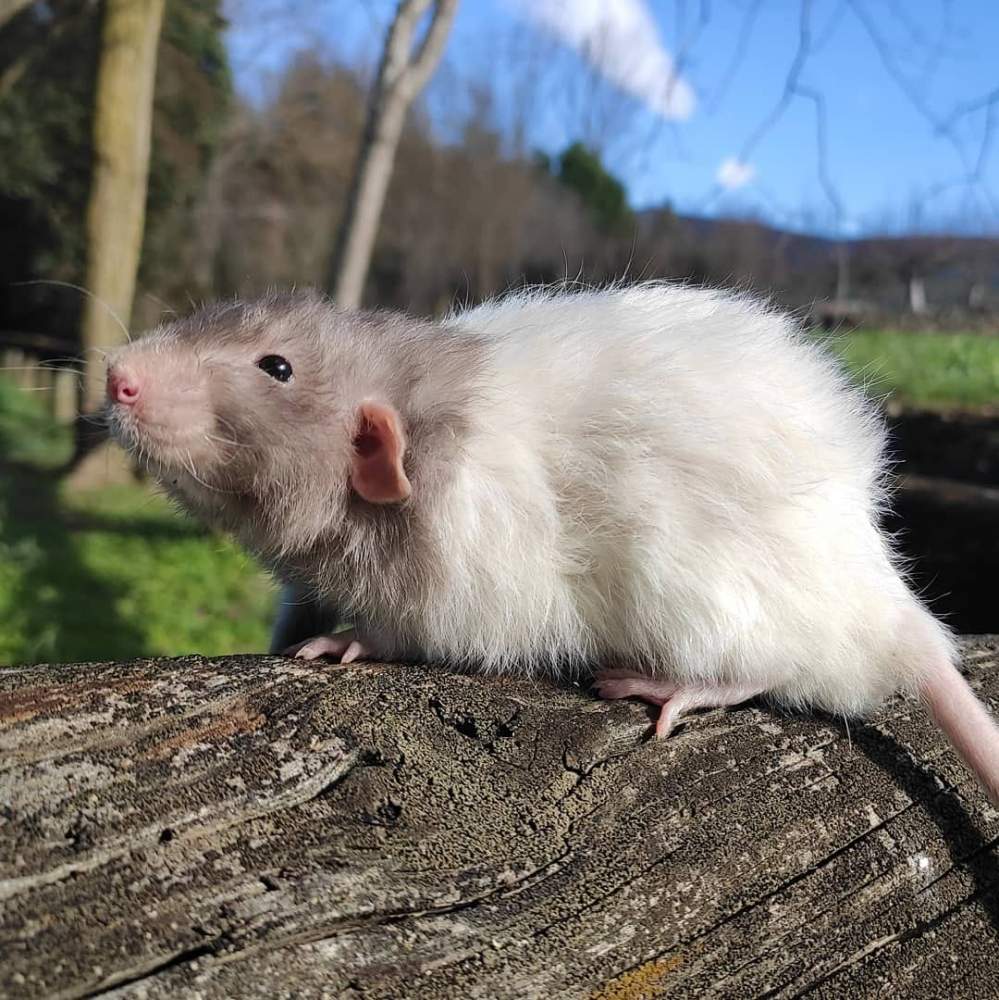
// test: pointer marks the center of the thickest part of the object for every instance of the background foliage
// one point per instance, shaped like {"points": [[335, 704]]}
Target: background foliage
{"points": [[246, 192]]}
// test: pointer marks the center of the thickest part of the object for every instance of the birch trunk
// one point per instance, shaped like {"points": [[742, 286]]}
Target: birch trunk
{"points": [[401, 76]]}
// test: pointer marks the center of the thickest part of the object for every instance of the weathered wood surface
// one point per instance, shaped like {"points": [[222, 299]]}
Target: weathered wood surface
{"points": [[259, 827]]}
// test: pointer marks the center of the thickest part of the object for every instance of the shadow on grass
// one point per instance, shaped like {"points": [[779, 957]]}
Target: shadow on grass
{"points": [[118, 524], [62, 610]]}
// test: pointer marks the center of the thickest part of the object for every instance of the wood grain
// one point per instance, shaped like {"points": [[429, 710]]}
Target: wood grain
{"points": [[259, 827]]}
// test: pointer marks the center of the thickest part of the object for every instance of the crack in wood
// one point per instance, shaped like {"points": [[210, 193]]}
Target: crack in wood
{"points": [[198, 834]]}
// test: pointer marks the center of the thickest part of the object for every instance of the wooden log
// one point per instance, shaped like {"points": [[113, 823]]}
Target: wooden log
{"points": [[262, 827]]}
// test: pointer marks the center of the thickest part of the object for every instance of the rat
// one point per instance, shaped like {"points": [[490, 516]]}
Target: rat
{"points": [[671, 490]]}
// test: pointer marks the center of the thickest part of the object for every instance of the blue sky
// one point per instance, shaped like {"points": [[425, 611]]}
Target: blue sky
{"points": [[888, 164]]}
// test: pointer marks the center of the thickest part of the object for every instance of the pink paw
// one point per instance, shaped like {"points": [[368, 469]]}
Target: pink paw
{"points": [[613, 684], [344, 646], [672, 699]]}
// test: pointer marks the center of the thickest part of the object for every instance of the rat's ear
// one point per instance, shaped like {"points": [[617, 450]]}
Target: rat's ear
{"points": [[376, 472]]}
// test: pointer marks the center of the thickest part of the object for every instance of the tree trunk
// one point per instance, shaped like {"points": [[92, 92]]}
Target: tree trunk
{"points": [[9, 9], [842, 271], [917, 294], [401, 76], [122, 131], [262, 827]]}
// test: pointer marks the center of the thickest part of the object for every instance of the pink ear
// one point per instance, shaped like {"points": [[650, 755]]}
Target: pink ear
{"points": [[376, 473]]}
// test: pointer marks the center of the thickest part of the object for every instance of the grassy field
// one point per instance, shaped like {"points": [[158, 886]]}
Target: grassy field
{"points": [[933, 370], [117, 573], [109, 574]]}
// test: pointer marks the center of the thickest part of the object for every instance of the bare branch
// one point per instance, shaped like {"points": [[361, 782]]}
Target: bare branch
{"points": [[973, 168], [942, 126], [14, 71], [790, 84], [935, 55], [793, 88], [912, 29], [825, 32], [428, 54], [890, 63], [686, 42], [739, 53], [966, 108], [822, 147], [35, 52], [400, 76], [398, 45], [9, 9], [987, 132]]}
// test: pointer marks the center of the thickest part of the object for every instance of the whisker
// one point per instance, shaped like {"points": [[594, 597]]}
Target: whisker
{"points": [[40, 368], [226, 441], [211, 440], [225, 424], [189, 467], [82, 290]]}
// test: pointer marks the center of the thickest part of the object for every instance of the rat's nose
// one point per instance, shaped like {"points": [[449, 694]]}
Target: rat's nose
{"points": [[123, 386]]}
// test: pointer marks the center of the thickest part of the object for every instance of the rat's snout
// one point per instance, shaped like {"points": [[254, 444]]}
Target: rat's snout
{"points": [[123, 385], [158, 402]]}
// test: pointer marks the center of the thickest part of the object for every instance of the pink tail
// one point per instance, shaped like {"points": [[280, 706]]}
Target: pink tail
{"points": [[966, 722]]}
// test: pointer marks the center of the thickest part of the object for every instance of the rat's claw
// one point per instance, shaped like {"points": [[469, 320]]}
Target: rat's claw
{"points": [[321, 645], [342, 645], [353, 651]]}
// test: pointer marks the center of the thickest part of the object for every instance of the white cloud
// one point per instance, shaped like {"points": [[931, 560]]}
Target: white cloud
{"points": [[734, 174], [620, 38]]}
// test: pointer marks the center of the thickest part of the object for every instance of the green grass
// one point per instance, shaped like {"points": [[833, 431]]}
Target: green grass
{"points": [[111, 573], [116, 573], [933, 370], [27, 433]]}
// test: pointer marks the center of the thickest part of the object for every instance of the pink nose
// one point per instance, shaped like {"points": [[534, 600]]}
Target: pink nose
{"points": [[123, 387]]}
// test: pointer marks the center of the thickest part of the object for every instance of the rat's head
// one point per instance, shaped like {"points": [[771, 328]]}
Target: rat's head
{"points": [[261, 417]]}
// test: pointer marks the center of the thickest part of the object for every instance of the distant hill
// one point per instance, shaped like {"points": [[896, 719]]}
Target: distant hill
{"points": [[926, 278]]}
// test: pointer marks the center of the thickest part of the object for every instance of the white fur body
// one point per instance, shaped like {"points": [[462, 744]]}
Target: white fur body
{"points": [[674, 480], [672, 487]]}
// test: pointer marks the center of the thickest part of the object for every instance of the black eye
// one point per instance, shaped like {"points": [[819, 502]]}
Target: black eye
{"points": [[275, 366]]}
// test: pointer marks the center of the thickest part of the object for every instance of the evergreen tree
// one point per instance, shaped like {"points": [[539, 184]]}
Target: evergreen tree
{"points": [[601, 192]]}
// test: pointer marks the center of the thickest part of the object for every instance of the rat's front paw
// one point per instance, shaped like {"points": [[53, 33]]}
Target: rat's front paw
{"points": [[344, 646]]}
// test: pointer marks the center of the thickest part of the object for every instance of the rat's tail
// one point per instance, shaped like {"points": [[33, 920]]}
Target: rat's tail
{"points": [[965, 721]]}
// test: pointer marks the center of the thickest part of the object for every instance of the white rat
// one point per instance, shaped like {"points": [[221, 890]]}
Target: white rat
{"points": [[670, 487]]}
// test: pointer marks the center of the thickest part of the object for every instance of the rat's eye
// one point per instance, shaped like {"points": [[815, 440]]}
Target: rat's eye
{"points": [[275, 366]]}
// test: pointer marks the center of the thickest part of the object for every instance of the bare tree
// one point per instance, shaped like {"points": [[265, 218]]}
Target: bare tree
{"points": [[122, 131], [401, 76]]}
